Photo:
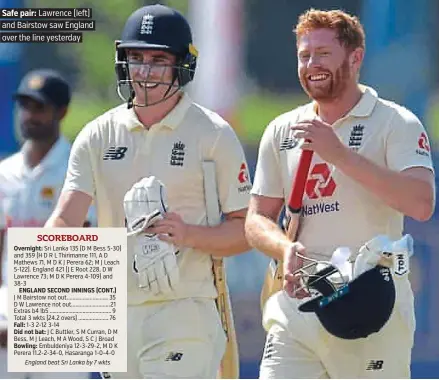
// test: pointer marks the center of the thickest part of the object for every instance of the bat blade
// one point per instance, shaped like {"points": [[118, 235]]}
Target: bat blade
{"points": [[230, 361]]}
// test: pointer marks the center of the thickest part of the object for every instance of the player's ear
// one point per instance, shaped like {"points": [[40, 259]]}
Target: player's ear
{"points": [[356, 58]]}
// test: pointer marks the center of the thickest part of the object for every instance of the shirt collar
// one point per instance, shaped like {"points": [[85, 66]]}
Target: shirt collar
{"points": [[366, 104], [172, 120], [363, 108]]}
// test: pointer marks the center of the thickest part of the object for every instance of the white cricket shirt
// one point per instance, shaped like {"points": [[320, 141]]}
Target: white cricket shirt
{"points": [[337, 211], [115, 151]]}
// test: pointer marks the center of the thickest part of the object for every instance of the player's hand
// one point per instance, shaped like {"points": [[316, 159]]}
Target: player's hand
{"points": [[171, 229], [321, 138], [155, 261], [291, 263]]}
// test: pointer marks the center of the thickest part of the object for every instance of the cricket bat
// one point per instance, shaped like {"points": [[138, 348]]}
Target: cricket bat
{"points": [[274, 276], [230, 361]]}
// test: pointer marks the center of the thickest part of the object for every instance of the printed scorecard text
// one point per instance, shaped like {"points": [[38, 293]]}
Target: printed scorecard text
{"points": [[67, 300]]}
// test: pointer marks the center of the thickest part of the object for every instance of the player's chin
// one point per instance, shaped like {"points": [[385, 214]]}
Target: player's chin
{"points": [[319, 94]]}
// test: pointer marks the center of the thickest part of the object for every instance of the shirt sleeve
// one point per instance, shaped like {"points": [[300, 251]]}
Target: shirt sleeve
{"points": [[79, 176], [407, 143], [233, 182], [268, 178]]}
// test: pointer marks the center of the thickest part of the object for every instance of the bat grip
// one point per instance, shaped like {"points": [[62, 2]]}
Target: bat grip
{"points": [[296, 195]]}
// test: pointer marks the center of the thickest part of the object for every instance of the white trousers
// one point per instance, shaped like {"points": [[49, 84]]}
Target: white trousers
{"points": [[298, 346], [175, 339]]}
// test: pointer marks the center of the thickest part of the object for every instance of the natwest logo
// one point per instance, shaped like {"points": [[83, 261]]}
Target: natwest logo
{"points": [[320, 183], [244, 180], [423, 145], [243, 174]]}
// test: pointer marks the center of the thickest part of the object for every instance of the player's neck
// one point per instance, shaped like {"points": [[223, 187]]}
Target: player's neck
{"points": [[334, 110], [151, 115], [35, 150]]}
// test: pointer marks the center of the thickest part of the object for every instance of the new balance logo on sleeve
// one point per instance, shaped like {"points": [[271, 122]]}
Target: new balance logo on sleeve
{"points": [[375, 365], [174, 357], [115, 153], [288, 143]]}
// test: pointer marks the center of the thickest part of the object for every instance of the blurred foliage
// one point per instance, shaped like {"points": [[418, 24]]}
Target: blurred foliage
{"points": [[256, 111], [81, 111], [180, 5]]}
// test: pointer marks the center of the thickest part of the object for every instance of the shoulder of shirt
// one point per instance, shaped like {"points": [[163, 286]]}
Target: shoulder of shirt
{"points": [[9, 164], [398, 112], [206, 118], [107, 118]]}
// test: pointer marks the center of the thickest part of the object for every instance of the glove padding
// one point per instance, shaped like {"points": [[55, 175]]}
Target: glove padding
{"points": [[155, 261], [386, 252]]}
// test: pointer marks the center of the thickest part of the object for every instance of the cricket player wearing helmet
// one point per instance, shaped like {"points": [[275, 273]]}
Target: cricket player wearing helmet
{"points": [[142, 164], [371, 166]]}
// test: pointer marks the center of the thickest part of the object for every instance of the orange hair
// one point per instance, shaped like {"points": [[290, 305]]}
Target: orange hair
{"points": [[349, 30]]}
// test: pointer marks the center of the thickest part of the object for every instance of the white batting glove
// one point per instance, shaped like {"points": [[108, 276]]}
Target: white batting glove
{"points": [[378, 249], [155, 261], [370, 253]]}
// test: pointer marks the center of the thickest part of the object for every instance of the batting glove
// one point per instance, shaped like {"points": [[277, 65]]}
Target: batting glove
{"points": [[155, 261]]}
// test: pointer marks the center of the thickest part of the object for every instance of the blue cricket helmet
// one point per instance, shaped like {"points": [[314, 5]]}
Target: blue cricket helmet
{"points": [[157, 27], [356, 309]]}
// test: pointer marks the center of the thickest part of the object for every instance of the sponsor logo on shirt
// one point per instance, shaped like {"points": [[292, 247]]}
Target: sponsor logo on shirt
{"points": [[115, 153], [243, 178], [174, 356], [320, 185], [375, 365], [177, 154], [423, 145], [47, 193], [243, 174], [288, 143], [320, 208]]}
